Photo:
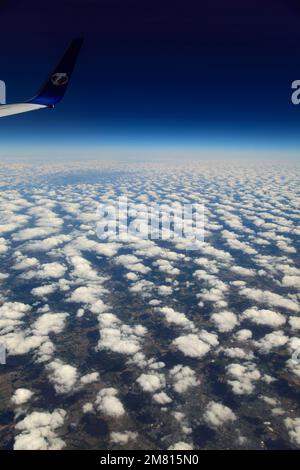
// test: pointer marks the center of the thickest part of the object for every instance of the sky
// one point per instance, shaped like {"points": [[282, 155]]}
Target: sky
{"points": [[190, 74]]}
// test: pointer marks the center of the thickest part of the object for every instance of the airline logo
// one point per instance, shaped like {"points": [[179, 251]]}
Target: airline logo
{"points": [[59, 79]]}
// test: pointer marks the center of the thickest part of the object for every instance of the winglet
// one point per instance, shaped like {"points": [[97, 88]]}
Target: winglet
{"points": [[56, 85]]}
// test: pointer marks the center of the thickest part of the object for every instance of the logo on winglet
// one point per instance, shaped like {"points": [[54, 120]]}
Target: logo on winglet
{"points": [[59, 79]]}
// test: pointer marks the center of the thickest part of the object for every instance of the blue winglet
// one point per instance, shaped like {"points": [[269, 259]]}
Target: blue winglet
{"points": [[56, 85]]}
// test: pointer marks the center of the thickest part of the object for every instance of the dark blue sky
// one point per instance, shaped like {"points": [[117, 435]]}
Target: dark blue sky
{"points": [[207, 73]]}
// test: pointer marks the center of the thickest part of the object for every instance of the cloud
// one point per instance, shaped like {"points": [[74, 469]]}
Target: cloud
{"points": [[215, 291], [83, 269], [238, 353], [45, 351], [183, 378], [243, 335], [63, 376], [293, 427], [11, 314], [269, 298], [217, 414], [295, 323], [181, 446], [176, 318], [132, 263], [8, 227], [210, 338], [82, 243], [151, 382], [242, 378], [43, 291], [162, 398], [291, 281], [225, 321], [164, 290], [238, 245], [18, 343], [209, 250], [21, 396], [48, 270], [264, 317], [30, 233], [293, 367], [118, 337], [191, 345], [276, 339], [123, 438], [86, 294], [50, 323], [166, 267], [88, 408], [38, 431], [89, 378], [17, 338], [269, 400], [47, 244], [107, 249], [108, 403], [293, 345], [25, 263], [245, 272], [131, 276], [142, 287], [3, 246]]}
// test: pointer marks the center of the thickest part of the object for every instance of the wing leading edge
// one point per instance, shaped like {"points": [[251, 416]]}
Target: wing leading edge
{"points": [[18, 108], [53, 91]]}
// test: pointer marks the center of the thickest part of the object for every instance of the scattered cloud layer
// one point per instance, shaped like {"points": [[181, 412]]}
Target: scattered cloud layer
{"points": [[111, 319]]}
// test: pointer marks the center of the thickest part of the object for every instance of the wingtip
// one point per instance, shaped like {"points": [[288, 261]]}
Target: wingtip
{"points": [[52, 92]]}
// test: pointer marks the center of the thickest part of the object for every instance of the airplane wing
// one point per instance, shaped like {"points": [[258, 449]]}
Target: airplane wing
{"points": [[10, 109], [52, 92]]}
